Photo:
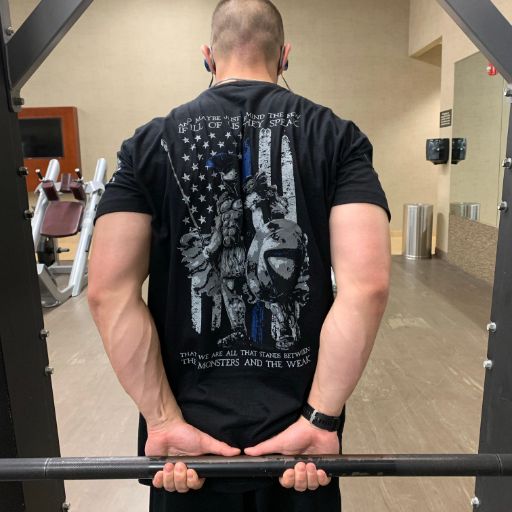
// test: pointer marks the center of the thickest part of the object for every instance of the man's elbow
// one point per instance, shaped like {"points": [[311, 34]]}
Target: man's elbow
{"points": [[96, 296], [372, 290], [112, 294], [378, 290], [100, 293], [381, 295]]}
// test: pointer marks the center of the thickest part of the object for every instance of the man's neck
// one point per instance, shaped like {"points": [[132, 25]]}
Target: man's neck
{"points": [[260, 74]]}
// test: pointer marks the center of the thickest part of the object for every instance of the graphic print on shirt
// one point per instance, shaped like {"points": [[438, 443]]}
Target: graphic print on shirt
{"points": [[245, 254]]}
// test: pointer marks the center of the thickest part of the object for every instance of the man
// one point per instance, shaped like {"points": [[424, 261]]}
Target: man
{"points": [[237, 204]]}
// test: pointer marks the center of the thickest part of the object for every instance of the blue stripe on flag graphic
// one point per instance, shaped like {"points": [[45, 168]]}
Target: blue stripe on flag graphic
{"points": [[258, 309], [247, 160]]}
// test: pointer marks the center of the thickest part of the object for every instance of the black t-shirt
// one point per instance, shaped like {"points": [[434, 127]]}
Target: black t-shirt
{"points": [[240, 183]]}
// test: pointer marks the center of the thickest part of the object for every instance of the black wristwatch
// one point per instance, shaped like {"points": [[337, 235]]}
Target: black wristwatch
{"points": [[320, 420]]}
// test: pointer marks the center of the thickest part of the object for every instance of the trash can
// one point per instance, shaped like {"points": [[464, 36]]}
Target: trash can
{"points": [[473, 211], [458, 209], [470, 211], [417, 232]]}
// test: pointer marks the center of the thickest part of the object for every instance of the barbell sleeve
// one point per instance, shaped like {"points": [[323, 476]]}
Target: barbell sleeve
{"points": [[101, 468]]}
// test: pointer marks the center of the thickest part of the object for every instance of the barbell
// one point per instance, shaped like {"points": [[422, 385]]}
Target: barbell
{"points": [[101, 468]]}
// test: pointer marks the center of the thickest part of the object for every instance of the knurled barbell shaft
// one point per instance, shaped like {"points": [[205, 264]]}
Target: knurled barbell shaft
{"points": [[101, 468]]}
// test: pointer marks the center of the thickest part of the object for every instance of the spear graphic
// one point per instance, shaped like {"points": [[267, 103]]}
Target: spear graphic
{"points": [[186, 199]]}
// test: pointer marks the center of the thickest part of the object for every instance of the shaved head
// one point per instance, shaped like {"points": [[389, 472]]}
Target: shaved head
{"points": [[248, 28]]}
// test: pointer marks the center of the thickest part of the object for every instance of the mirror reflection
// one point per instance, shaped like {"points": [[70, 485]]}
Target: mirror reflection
{"points": [[481, 118]]}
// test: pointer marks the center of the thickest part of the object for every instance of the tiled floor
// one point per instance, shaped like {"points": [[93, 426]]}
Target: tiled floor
{"points": [[421, 393], [422, 390]]}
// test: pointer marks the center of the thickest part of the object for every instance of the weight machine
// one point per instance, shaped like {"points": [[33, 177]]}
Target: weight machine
{"points": [[54, 219], [26, 396]]}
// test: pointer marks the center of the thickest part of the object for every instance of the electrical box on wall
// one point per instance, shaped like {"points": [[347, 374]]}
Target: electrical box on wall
{"points": [[438, 151], [459, 149]]}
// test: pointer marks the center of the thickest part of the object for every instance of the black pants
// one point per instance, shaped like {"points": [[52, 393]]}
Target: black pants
{"points": [[269, 499]]}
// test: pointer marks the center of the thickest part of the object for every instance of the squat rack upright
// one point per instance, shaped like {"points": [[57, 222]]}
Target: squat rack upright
{"points": [[28, 426]]}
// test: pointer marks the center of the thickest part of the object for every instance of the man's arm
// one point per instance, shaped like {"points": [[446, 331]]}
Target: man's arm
{"points": [[361, 259], [118, 267], [360, 253]]}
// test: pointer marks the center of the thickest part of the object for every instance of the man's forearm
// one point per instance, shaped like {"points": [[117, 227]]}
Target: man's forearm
{"points": [[133, 347], [346, 341]]}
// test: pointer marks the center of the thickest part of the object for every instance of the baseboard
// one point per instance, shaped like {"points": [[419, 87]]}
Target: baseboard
{"points": [[443, 255]]}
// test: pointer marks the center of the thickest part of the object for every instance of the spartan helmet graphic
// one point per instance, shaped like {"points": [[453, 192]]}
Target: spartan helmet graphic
{"points": [[277, 265], [275, 260]]}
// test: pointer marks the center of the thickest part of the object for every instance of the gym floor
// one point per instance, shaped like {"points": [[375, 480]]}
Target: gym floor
{"points": [[421, 393]]}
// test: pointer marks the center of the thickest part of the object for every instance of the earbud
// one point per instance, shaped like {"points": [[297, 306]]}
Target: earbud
{"points": [[210, 69], [283, 66]]}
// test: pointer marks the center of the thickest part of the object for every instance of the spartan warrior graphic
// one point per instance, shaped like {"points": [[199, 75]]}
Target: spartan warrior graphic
{"points": [[277, 261], [244, 250], [222, 252]]}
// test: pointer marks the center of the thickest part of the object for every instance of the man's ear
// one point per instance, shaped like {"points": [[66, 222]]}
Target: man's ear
{"points": [[283, 65], [208, 59]]}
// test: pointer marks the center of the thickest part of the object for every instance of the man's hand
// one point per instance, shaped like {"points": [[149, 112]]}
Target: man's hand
{"points": [[180, 438], [300, 438]]}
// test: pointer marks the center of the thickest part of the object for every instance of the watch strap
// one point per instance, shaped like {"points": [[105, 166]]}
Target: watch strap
{"points": [[320, 420]]}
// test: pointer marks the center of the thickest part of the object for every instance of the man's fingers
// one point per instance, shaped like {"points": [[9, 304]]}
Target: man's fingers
{"points": [[304, 477], [215, 447], [323, 479], [288, 479], [177, 478], [312, 477], [193, 481], [180, 477], [158, 480], [168, 479], [301, 477], [272, 445]]}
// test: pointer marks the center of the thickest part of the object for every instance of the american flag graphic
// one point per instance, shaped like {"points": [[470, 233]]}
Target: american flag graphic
{"points": [[201, 186]]}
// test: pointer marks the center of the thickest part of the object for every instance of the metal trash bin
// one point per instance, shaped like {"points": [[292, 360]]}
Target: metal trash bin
{"points": [[417, 231], [467, 210], [473, 211], [458, 209]]}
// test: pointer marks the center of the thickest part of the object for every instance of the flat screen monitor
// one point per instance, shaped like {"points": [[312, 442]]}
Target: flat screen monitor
{"points": [[42, 137]]}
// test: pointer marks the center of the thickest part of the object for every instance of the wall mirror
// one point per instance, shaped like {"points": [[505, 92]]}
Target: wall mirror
{"points": [[480, 115]]}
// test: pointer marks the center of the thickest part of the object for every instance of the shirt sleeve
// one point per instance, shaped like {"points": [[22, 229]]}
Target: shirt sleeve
{"points": [[356, 180], [124, 192]]}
